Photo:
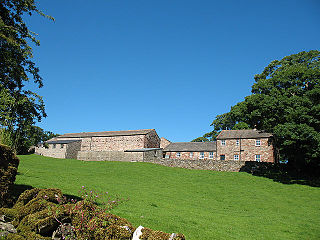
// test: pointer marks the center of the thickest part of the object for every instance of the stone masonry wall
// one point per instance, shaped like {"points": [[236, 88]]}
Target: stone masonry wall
{"points": [[186, 155], [55, 152], [110, 156], [214, 165], [246, 150], [72, 150], [164, 142], [151, 140], [116, 143]]}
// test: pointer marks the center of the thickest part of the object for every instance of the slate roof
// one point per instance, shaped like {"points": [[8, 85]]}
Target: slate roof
{"points": [[61, 141], [142, 150], [191, 147], [107, 133], [247, 133]]}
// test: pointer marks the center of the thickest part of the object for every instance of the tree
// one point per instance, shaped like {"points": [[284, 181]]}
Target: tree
{"points": [[285, 101], [19, 107]]}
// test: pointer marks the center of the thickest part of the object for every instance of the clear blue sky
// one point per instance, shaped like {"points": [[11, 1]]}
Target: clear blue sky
{"points": [[172, 65]]}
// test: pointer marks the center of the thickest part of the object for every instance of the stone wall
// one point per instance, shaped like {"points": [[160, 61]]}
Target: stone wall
{"points": [[116, 143], [214, 165], [151, 140], [72, 150], [187, 156], [54, 151], [110, 156], [164, 142], [246, 149]]}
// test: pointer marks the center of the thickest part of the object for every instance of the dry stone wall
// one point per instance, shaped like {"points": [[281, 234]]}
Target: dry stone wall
{"points": [[214, 165]]}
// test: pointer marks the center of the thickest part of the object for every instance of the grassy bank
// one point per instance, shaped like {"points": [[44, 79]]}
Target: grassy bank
{"points": [[200, 204]]}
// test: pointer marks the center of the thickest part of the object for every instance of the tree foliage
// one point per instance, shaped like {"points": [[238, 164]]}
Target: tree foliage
{"points": [[20, 108], [285, 101]]}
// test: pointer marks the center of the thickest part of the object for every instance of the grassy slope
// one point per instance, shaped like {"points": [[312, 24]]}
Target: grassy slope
{"points": [[200, 204]]}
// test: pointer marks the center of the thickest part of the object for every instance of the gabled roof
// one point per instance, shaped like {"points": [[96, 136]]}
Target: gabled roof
{"points": [[246, 133], [107, 133], [191, 147], [61, 141]]}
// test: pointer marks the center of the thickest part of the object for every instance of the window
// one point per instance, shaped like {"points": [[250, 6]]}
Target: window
{"points": [[258, 142], [223, 157], [54, 146], [223, 142], [167, 156], [191, 154], [258, 158], [178, 154], [237, 142], [201, 155], [210, 155], [61, 146], [236, 157]]}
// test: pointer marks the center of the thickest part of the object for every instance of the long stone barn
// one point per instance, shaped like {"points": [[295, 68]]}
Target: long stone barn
{"points": [[130, 145]]}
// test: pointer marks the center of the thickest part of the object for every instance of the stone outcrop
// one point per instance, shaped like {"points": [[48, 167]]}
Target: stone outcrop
{"points": [[47, 214], [8, 171]]}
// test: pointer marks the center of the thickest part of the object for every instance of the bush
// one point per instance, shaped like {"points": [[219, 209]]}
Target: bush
{"points": [[8, 171]]}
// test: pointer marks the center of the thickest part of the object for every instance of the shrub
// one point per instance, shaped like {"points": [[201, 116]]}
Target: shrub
{"points": [[8, 171]]}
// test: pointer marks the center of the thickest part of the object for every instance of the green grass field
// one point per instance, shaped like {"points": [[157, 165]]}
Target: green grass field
{"points": [[199, 204]]}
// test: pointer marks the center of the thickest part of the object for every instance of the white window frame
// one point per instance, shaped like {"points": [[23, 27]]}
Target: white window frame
{"points": [[237, 142], [236, 157], [258, 142], [178, 154], [191, 154], [223, 142], [201, 156], [167, 156], [258, 157], [210, 155]]}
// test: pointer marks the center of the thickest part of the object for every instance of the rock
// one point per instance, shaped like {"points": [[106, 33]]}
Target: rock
{"points": [[64, 231], [7, 227], [172, 236], [137, 233]]}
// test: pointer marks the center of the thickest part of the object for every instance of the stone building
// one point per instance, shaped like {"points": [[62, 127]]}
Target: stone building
{"points": [[190, 150], [245, 145], [234, 145], [145, 145], [108, 145]]}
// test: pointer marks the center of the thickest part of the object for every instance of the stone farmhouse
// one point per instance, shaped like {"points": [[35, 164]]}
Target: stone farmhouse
{"points": [[145, 145], [237, 145]]}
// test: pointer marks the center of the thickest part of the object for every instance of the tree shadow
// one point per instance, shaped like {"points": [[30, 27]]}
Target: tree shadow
{"points": [[282, 173], [17, 189]]}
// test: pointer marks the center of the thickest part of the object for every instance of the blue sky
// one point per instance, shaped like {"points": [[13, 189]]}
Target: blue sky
{"points": [[169, 65]]}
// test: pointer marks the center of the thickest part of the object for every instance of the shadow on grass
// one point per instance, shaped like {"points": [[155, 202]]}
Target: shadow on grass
{"points": [[17, 189], [281, 173]]}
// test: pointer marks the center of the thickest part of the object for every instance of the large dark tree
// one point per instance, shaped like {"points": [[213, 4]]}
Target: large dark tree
{"points": [[285, 101], [19, 107]]}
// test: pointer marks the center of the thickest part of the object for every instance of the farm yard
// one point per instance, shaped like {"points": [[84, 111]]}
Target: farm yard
{"points": [[200, 204]]}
